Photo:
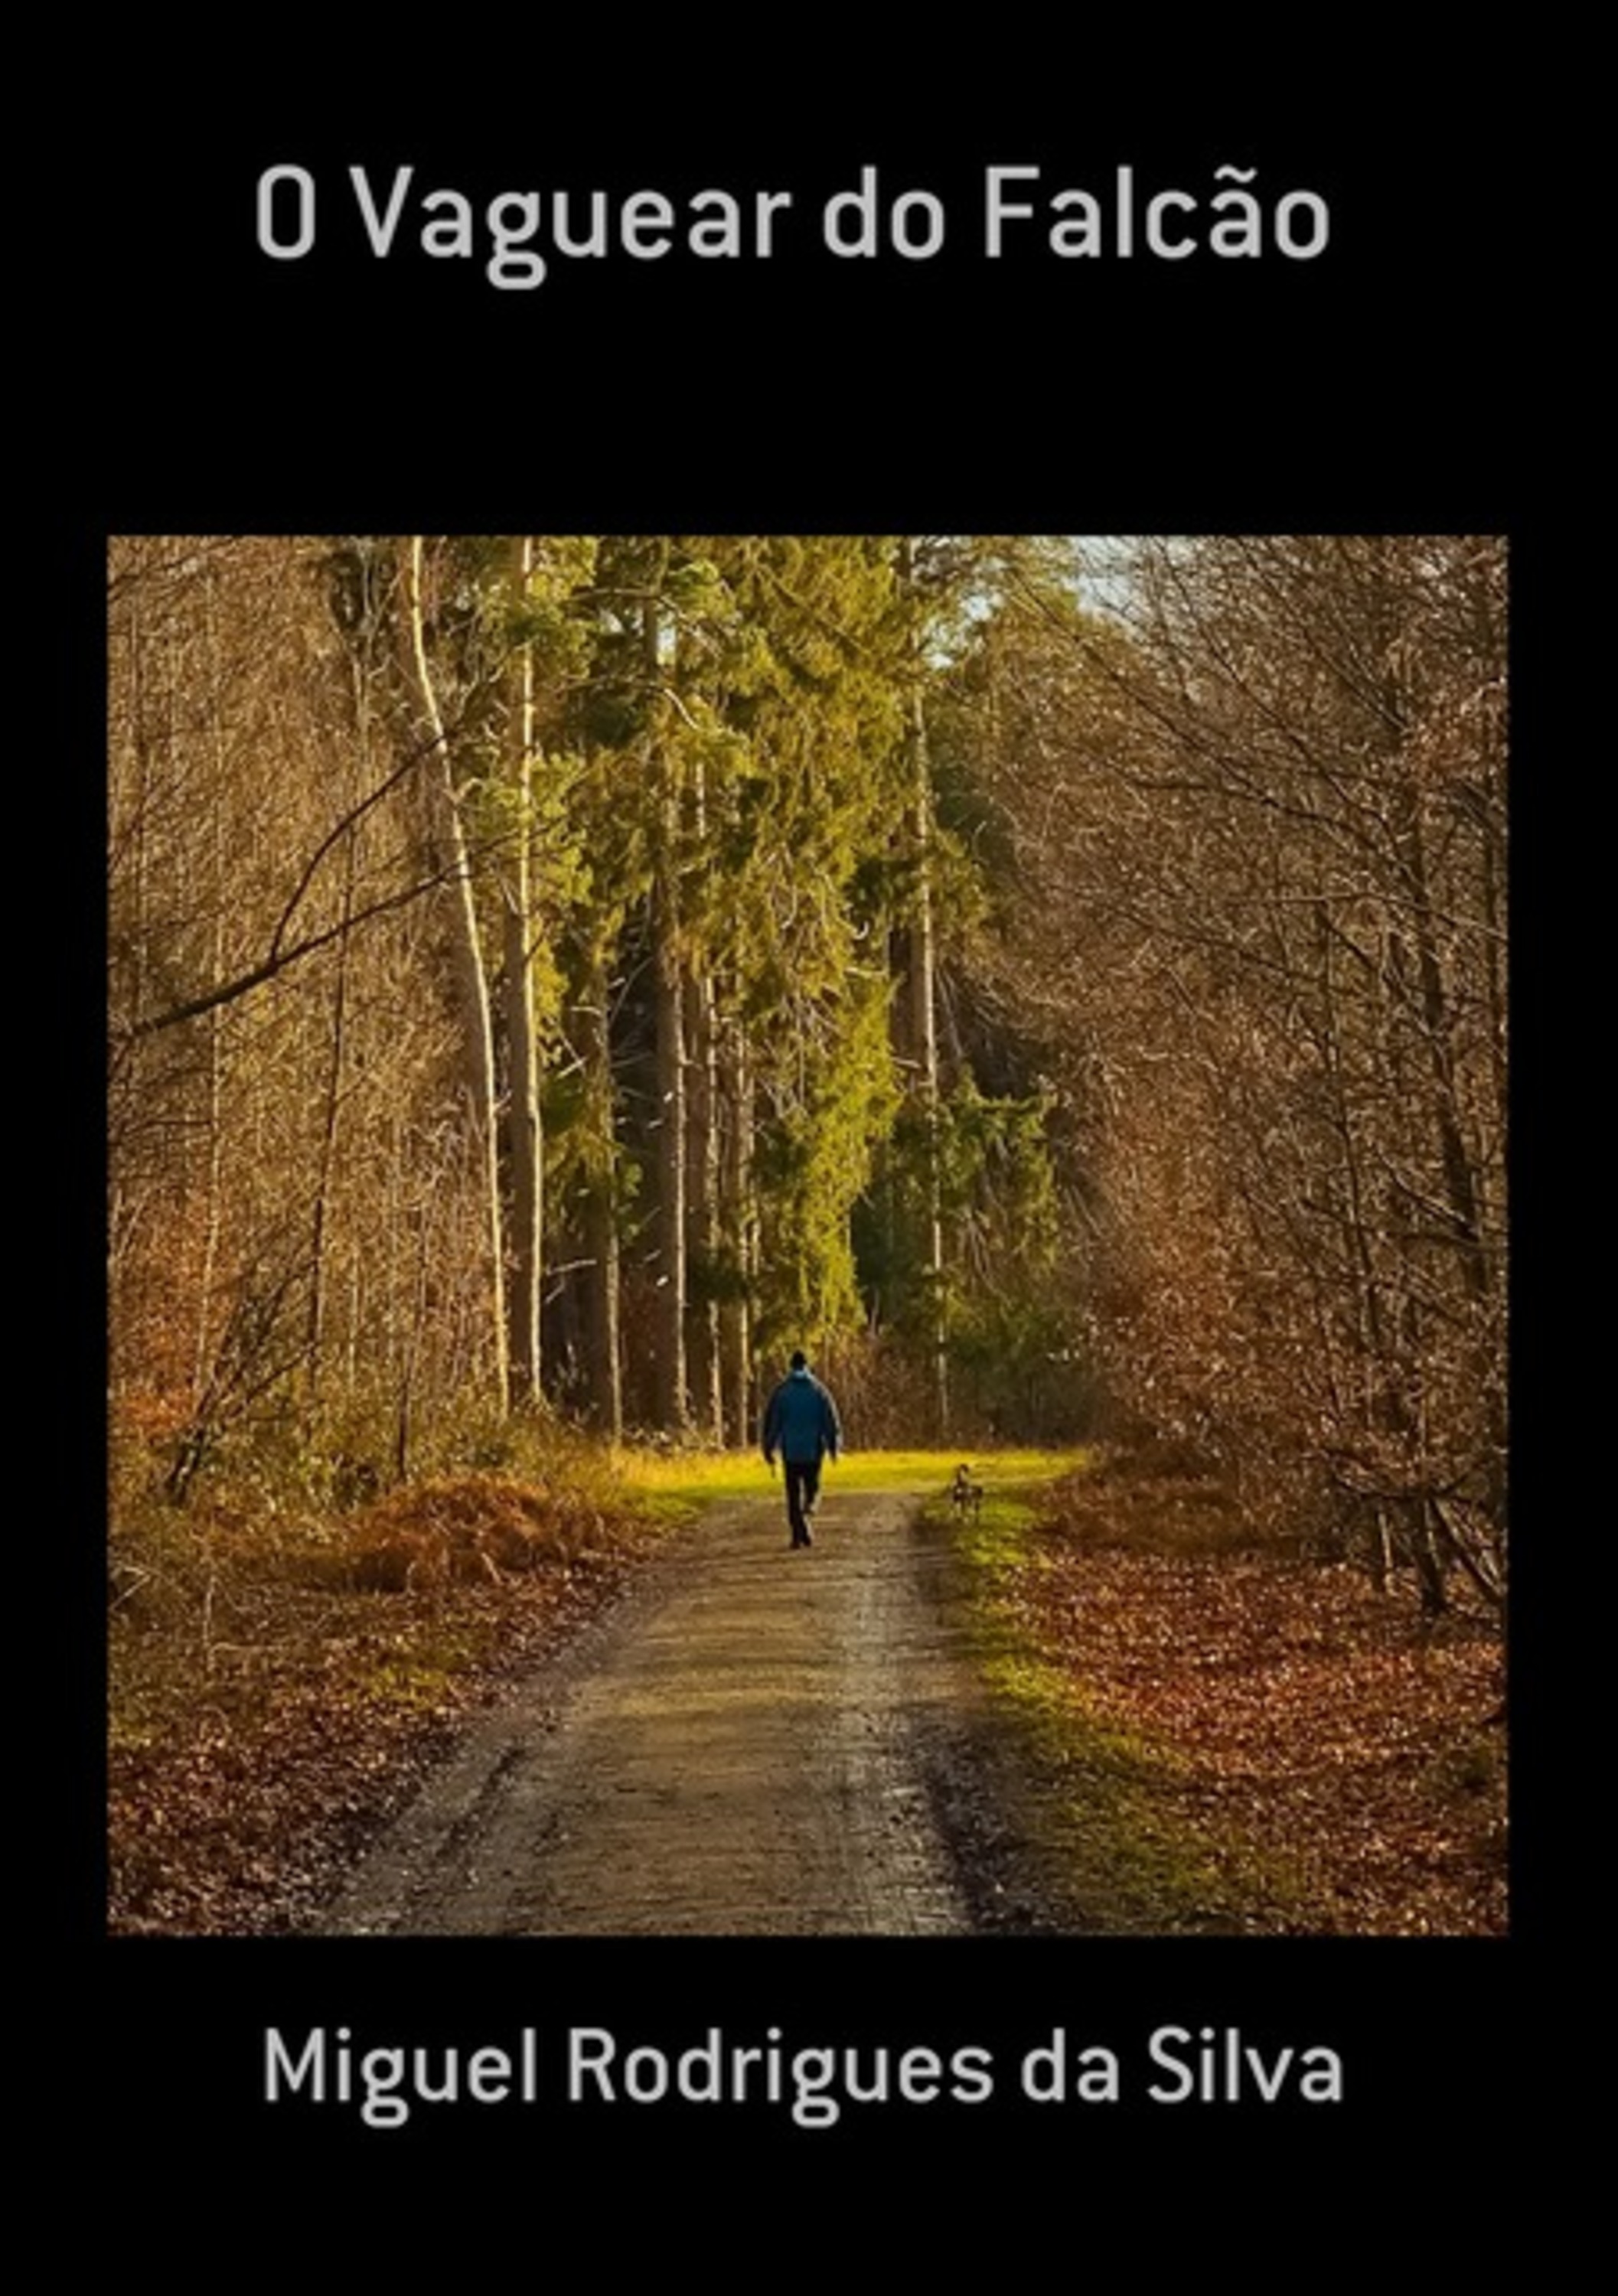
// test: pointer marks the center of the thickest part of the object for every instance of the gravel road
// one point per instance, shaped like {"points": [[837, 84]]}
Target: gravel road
{"points": [[752, 1744]]}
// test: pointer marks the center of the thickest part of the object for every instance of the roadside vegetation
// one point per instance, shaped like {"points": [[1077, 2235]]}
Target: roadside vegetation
{"points": [[1227, 1734], [281, 1675]]}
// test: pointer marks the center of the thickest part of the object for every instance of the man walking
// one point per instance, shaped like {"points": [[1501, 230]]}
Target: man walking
{"points": [[800, 1421]]}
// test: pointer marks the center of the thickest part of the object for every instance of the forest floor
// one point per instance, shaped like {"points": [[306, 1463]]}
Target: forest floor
{"points": [[1075, 1712], [1223, 1733]]}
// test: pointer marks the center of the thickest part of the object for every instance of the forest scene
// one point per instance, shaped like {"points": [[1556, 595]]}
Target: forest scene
{"points": [[1059, 986]]}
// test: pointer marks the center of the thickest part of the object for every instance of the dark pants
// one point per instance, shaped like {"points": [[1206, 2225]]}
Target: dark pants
{"points": [[802, 1489]]}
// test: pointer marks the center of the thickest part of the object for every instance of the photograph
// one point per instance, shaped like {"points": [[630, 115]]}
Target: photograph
{"points": [[807, 1234]]}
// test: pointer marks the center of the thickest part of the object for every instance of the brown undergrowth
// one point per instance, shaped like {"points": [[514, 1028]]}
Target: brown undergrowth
{"points": [[278, 1687], [1343, 1757]]}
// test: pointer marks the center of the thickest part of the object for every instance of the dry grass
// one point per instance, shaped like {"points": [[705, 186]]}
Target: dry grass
{"points": [[278, 1684]]}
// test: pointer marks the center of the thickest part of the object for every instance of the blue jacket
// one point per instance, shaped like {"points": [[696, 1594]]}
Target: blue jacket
{"points": [[801, 1420]]}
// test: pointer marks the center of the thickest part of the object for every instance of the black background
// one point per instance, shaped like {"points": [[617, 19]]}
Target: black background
{"points": [[1403, 381]]}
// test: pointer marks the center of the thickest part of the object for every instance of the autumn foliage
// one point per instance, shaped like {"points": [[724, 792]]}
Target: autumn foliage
{"points": [[1333, 1762], [1254, 813], [279, 1687]]}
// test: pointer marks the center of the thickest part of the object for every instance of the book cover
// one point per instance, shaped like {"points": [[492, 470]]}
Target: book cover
{"points": [[1042, 299]]}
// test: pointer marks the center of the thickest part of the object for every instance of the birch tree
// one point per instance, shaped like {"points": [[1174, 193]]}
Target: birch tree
{"points": [[469, 974]]}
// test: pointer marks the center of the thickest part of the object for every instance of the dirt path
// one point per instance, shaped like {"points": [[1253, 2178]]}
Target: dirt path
{"points": [[743, 1749]]}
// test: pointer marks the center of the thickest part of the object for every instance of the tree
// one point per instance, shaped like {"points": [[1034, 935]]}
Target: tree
{"points": [[1261, 813], [451, 855], [265, 899]]}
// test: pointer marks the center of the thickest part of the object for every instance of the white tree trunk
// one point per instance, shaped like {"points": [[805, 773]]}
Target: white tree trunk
{"points": [[471, 979]]}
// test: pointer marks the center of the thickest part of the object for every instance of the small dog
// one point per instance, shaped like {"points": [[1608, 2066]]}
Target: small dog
{"points": [[966, 1497]]}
